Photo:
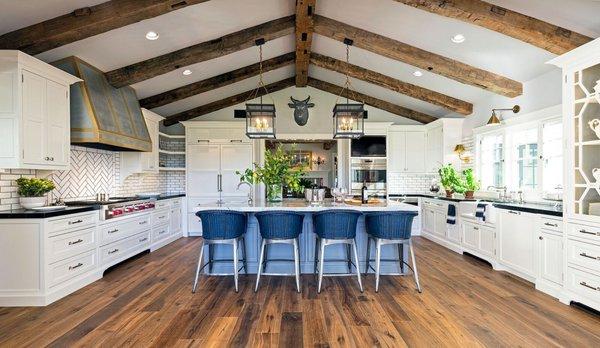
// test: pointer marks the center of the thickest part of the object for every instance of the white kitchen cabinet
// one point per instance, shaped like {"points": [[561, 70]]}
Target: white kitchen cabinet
{"points": [[143, 162], [440, 224], [434, 149], [428, 219], [551, 257], [406, 151], [442, 136], [34, 113], [516, 233]]}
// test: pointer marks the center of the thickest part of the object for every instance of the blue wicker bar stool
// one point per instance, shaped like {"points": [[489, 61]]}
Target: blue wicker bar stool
{"points": [[222, 227], [386, 228], [279, 227], [336, 227]]}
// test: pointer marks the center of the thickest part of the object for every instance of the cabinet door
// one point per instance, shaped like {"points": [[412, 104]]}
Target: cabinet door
{"points": [[34, 119], [203, 164], [396, 151], [471, 236], [487, 240], [57, 129], [551, 254], [175, 222], [415, 152], [428, 217], [235, 157], [434, 149], [440, 223], [517, 241]]}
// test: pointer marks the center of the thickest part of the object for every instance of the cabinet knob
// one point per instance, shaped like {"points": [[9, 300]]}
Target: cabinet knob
{"points": [[540, 238]]}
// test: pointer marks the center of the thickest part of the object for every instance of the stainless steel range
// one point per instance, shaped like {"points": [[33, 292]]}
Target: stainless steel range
{"points": [[119, 206]]}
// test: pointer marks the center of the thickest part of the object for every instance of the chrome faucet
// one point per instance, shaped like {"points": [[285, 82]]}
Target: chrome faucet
{"points": [[499, 188], [250, 198]]}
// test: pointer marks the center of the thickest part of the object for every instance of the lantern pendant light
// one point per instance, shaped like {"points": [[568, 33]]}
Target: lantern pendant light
{"points": [[260, 118], [348, 118]]}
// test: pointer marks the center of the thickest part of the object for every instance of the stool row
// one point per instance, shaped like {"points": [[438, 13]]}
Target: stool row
{"points": [[334, 226]]}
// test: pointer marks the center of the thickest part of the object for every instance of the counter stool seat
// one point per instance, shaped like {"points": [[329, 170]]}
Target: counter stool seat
{"points": [[279, 227], [222, 227], [336, 226], [385, 228]]}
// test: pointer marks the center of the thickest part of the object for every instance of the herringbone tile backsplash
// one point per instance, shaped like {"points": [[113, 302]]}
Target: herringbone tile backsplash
{"points": [[92, 171]]}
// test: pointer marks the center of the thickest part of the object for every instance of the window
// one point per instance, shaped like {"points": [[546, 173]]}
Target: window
{"points": [[525, 159], [552, 156], [492, 161]]}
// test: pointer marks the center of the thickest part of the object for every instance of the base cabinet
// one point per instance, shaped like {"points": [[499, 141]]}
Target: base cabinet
{"points": [[479, 240], [551, 257], [516, 232]]}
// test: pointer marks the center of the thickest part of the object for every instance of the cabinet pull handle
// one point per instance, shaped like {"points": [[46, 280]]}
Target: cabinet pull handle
{"points": [[514, 212], [112, 251], [476, 228], [203, 141], [76, 266], [541, 238], [235, 141], [46, 158], [589, 256], [76, 242], [549, 224], [143, 222], [113, 231], [143, 239], [588, 286], [586, 232], [75, 222]]}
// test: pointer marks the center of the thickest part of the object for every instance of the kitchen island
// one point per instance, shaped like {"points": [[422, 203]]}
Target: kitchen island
{"points": [[307, 238]]}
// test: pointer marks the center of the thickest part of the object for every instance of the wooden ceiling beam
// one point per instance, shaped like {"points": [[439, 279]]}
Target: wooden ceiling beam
{"points": [[374, 102], [86, 22], [417, 57], [536, 32], [304, 32], [424, 94], [201, 52], [217, 81], [227, 102]]}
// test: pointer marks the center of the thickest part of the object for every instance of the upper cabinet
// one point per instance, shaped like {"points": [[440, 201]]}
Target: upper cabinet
{"points": [[143, 162], [442, 136], [34, 113], [406, 151]]}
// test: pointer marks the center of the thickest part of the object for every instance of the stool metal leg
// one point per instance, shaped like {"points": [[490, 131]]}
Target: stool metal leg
{"points": [[414, 265], [199, 267], [368, 255], [349, 257], [317, 247], [297, 263], [401, 256], [377, 263], [357, 266], [266, 258], [245, 259], [235, 264], [211, 253], [260, 264], [321, 259]]}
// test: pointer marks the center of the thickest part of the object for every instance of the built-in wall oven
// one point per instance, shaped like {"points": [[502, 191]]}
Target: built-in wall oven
{"points": [[370, 172]]}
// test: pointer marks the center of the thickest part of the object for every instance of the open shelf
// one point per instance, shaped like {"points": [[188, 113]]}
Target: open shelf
{"points": [[171, 136], [172, 152], [172, 169]]}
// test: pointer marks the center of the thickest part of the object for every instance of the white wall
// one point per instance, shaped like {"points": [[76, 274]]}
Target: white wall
{"points": [[539, 93], [320, 116]]}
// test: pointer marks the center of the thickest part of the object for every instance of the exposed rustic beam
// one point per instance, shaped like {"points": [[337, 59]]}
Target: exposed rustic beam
{"points": [[216, 81], [304, 30], [417, 57], [424, 94], [227, 102], [374, 102], [201, 52], [516, 25], [86, 22]]}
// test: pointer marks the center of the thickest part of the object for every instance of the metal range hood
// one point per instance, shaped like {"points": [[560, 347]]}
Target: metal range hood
{"points": [[102, 116]]}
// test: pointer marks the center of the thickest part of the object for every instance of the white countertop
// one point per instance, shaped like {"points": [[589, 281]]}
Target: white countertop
{"points": [[302, 206]]}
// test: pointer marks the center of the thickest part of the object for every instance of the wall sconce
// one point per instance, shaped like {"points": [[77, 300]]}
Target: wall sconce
{"points": [[319, 161], [462, 153], [494, 120]]}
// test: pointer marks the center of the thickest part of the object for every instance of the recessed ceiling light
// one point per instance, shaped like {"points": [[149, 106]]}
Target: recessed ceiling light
{"points": [[187, 72], [458, 38], [152, 35], [418, 73]]}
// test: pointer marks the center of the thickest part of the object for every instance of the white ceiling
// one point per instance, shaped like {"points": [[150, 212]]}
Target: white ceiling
{"points": [[194, 24]]}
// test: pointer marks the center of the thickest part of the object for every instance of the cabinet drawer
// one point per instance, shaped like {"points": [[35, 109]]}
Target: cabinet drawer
{"points": [[160, 217], [61, 224], [583, 254], [162, 204], [583, 283], [176, 203], [160, 232], [121, 248], [123, 229], [62, 271], [66, 245], [551, 224], [586, 232]]}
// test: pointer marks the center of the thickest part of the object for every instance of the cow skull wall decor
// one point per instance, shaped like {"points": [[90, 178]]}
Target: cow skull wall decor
{"points": [[300, 110]]}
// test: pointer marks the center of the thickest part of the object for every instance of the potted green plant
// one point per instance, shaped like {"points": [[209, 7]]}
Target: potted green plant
{"points": [[470, 183], [449, 179], [32, 191], [278, 170]]}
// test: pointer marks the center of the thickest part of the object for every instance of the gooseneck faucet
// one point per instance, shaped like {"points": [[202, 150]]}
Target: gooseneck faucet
{"points": [[250, 199]]}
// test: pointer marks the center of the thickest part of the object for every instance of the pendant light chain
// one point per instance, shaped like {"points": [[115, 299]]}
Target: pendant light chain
{"points": [[261, 82], [347, 84]]}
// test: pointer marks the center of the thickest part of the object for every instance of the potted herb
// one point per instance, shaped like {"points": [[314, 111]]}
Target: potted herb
{"points": [[470, 183], [32, 191], [279, 169], [450, 179]]}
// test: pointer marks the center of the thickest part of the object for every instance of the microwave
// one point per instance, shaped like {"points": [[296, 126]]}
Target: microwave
{"points": [[368, 146]]}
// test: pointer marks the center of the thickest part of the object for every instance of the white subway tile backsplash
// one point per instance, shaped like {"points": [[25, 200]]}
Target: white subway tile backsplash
{"points": [[400, 183]]}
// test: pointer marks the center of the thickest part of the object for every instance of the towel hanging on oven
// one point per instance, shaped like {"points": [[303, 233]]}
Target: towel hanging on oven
{"points": [[451, 216]]}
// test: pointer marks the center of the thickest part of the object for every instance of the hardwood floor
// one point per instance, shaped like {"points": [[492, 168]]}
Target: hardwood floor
{"points": [[147, 301]]}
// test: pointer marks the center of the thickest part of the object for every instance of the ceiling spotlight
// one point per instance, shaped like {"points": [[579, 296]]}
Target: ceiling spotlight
{"points": [[418, 73], [458, 38], [187, 72], [152, 35]]}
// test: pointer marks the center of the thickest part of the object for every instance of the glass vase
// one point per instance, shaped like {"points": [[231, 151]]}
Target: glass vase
{"points": [[275, 192]]}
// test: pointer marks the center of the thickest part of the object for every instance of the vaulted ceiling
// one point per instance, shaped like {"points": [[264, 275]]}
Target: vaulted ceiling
{"points": [[507, 43]]}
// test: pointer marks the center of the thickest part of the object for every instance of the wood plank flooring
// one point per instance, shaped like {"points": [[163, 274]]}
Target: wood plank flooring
{"points": [[147, 302]]}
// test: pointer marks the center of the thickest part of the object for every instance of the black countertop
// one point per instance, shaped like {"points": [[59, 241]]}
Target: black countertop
{"points": [[33, 214], [422, 195], [170, 195]]}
